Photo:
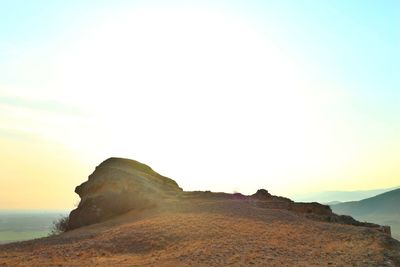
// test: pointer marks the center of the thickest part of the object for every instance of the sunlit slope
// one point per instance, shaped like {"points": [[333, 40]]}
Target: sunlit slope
{"points": [[209, 232]]}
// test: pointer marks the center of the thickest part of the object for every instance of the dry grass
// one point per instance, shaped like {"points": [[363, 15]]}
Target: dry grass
{"points": [[206, 233]]}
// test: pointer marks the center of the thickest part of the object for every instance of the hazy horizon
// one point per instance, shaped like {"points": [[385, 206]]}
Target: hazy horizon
{"points": [[291, 96], [322, 197]]}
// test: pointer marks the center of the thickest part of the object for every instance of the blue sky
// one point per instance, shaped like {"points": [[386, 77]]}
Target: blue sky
{"points": [[354, 42]]}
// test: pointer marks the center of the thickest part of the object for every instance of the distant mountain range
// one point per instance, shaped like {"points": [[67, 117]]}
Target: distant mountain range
{"points": [[334, 197], [382, 209]]}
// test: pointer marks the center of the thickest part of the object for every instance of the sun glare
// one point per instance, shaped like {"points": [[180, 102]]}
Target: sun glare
{"points": [[293, 97], [194, 80]]}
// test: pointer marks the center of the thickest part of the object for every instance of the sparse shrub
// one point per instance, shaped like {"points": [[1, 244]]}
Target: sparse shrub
{"points": [[60, 225]]}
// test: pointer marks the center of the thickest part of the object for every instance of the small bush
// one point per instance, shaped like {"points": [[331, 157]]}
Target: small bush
{"points": [[60, 226]]}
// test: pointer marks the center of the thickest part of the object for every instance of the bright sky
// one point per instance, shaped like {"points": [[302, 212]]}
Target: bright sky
{"points": [[292, 96]]}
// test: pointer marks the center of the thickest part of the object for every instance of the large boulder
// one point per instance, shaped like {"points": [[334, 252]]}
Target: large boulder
{"points": [[119, 185]]}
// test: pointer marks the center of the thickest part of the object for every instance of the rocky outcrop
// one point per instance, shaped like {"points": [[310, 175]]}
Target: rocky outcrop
{"points": [[265, 199], [311, 208], [314, 211], [119, 185], [261, 194]]}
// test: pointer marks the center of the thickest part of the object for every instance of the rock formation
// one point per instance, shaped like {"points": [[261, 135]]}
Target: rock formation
{"points": [[120, 185], [116, 186]]}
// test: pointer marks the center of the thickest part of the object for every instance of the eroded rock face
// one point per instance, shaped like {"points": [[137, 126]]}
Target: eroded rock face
{"points": [[117, 186], [120, 185]]}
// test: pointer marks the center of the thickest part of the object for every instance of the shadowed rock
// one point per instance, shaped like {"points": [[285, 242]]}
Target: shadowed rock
{"points": [[262, 194], [117, 186]]}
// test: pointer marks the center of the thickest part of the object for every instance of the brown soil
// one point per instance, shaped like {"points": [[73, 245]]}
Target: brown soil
{"points": [[201, 232]]}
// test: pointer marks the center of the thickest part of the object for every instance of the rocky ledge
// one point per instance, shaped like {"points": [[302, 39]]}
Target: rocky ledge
{"points": [[120, 185]]}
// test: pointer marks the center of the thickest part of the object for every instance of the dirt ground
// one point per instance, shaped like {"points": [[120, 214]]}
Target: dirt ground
{"points": [[208, 233]]}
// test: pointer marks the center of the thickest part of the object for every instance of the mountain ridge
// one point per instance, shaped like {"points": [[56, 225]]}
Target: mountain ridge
{"points": [[341, 196], [382, 209]]}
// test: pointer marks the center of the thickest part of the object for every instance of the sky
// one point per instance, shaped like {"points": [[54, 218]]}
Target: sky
{"points": [[292, 96]]}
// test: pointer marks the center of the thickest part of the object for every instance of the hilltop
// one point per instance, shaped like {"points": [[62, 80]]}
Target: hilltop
{"points": [[130, 215]]}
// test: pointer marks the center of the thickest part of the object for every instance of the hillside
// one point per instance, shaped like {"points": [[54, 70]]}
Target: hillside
{"points": [[382, 209], [132, 216], [330, 197]]}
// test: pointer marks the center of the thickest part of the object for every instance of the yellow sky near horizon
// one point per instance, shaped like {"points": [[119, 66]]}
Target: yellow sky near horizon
{"points": [[42, 174]]}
